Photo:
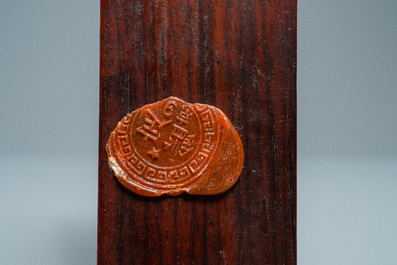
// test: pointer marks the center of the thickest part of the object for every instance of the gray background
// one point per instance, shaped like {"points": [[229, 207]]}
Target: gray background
{"points": [[347, 149]]}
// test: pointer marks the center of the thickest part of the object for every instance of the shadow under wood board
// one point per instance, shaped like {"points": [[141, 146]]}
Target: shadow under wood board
{"points": [[239, 56]]}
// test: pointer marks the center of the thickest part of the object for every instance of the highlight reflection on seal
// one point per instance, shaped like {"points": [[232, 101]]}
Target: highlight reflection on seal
{"points": [[171, 147]]}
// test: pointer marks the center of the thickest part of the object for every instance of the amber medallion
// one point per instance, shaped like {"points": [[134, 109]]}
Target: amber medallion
{"points": [[171, 147]]}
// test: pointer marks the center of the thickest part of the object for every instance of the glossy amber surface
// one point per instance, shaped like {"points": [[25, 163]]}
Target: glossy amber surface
{"points": [[171, 147]]}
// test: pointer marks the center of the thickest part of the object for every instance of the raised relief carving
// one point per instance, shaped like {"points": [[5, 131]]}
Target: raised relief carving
{"points": [[171, 147]]}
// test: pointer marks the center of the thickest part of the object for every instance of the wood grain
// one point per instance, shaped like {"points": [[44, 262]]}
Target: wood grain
{"points": [[239, 56]]}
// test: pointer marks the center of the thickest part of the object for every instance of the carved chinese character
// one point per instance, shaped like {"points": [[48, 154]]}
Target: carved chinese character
{"points": [[177, 136], [149, 128], [186, 145], [184, 115]]}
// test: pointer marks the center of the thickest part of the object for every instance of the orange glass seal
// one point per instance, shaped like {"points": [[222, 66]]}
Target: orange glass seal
{"points": [[171, 147]]}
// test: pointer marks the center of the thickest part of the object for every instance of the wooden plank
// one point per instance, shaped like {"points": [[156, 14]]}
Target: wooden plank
{"points": [[239, 56]]}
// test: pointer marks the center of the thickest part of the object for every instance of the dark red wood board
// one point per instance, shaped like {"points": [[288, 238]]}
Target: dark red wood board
{"points": [[239, 56]]}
